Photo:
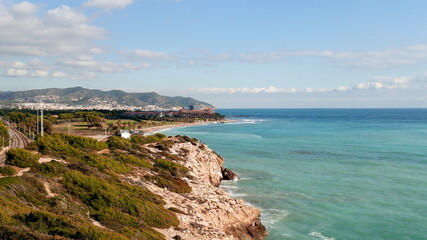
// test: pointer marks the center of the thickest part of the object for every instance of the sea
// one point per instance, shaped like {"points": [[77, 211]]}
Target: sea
{"points": [[330, 174]]}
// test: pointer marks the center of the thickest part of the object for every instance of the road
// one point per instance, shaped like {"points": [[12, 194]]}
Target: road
{"points": [[18, 140]]}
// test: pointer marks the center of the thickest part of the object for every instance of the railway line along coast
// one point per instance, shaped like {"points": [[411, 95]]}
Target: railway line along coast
{"points": [[17, 140]]}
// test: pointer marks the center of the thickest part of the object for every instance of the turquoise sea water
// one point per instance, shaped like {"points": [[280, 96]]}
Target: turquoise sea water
{"points": [[328, 173]]}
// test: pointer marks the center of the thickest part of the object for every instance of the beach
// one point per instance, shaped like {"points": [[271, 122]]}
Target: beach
{"points": [[156, 129]]}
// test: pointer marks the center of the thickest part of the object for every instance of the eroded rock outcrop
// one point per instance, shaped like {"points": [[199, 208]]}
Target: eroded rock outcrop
{"points": [[208, 212], [227, 174]]}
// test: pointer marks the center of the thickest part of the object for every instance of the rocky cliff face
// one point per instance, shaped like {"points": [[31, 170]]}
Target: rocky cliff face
{"points": [[208, 212]]}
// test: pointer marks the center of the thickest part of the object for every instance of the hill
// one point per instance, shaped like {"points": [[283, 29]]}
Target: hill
{"points": [[79, 96]]}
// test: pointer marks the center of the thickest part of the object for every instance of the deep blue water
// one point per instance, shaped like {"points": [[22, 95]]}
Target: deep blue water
{"points": [[328, 173]]}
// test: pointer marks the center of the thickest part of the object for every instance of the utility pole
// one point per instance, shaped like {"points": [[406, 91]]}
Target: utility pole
{"points": [[38, 120], [41, 121]]}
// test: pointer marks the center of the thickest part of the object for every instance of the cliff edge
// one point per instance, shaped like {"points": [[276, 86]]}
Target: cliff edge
{"points": [[208, 211]]}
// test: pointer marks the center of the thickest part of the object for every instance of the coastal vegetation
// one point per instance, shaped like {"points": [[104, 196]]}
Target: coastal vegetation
{"points": [[21, 158], [4, 135], [85, 193]]}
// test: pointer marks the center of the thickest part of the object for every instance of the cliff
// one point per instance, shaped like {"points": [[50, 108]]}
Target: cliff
{"points": [[152, 188], [209, 213]]}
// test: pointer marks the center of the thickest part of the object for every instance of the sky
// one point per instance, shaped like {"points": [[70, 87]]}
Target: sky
{"points": [[230, 53]]}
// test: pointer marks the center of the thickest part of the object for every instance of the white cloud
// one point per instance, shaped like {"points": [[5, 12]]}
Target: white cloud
{"points": [[355, 59], [151, 55], [96, 50], [364, 59], [60, 31], [12, 72], [80, 61], [58, 74], [40, 74], [379, 82], [19, 64], [24, 8], [270, 89], [64, 16], [108, 4], [343, 88]]}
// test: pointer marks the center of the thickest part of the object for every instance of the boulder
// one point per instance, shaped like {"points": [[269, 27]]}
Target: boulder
{"points": [[227, 174]]}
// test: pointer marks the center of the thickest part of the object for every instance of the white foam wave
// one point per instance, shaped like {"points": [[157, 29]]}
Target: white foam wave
{"points": [[226, 187], [272, 216], [234, 194], [246, 121], [320, 235]]}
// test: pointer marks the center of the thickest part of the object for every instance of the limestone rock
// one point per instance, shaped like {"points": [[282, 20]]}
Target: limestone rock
{"points": [[210, 213]]}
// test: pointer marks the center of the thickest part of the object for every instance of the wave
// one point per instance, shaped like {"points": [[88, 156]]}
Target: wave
{"points": [[320, 235], [245, 121], [235, 194], [227, 187], [232, 190], [272, 216]]}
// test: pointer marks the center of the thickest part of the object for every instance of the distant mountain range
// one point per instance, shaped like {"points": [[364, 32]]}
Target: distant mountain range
{"points": [[78, 96]]}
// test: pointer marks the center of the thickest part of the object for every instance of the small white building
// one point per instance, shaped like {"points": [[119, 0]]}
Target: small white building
{"points": [[125, 134]]}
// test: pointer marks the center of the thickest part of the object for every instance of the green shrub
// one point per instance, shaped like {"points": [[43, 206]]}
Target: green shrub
{"points": [[171, 183], [173, 168], [18, 232], [27, 188], [126, 199], [84, 142], [55, 145], [133, 160], [21, 158], [4, 135], [105, 163], [51, 169], [120, 143], [52, 224], [158, 137], [46, 223], [7, 171]]}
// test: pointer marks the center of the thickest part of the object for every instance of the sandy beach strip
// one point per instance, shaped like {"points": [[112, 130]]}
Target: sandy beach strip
{"points": [[156, 129]]}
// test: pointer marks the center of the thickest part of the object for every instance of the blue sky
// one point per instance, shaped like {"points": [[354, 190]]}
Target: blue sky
{"points": [[240, 53]]}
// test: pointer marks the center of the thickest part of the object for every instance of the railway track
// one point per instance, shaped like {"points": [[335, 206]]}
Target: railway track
{"points": [[18, 140]]}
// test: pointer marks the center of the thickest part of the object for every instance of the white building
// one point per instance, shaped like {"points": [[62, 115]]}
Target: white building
{"points": [[125, 134]]}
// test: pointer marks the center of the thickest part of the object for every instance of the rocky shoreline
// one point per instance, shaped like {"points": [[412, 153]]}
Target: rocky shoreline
{"points": [[208, 212]]}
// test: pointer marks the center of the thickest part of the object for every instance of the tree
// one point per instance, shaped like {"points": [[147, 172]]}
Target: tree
{"points": [[4, 135], [21, 158]]}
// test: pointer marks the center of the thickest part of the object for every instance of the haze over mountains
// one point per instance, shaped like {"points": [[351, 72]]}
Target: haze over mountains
{"points": [[83, 96]]}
